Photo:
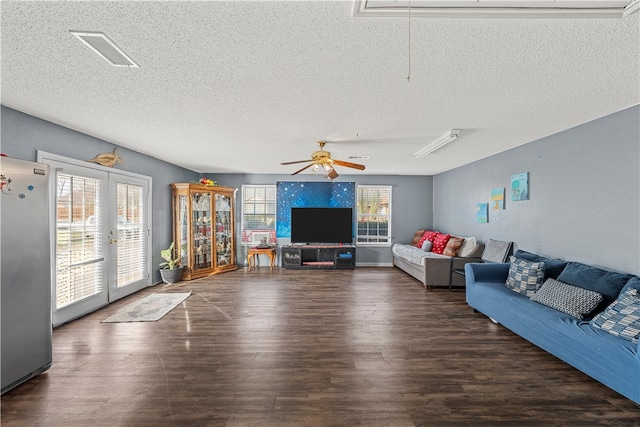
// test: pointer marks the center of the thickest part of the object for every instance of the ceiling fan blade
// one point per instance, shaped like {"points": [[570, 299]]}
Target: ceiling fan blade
{"points": [[349, 164], [332, 174], [297, 161], [300, 170]]}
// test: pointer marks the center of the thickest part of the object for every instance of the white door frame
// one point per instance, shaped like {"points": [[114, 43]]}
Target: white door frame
{"points": [[98, 170]]}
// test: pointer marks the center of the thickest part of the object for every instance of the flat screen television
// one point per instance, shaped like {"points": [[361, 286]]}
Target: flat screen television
{"points": [[321, 225]]}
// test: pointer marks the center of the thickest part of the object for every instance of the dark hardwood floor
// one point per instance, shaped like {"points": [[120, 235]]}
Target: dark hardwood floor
{"points": [[365, 347]]}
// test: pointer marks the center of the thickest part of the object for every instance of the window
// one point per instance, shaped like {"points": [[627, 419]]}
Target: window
{"points": [[374, 215], [258, 214]]}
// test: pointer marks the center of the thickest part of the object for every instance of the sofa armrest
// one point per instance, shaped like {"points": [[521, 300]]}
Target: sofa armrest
{"points": [[486, 272], [436, 271]]}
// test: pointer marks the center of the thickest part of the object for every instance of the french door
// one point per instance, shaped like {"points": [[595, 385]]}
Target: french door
{"points": [[100, 228], [128, 235]]}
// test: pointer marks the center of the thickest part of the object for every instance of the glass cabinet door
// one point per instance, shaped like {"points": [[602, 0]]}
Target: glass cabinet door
{"points": [[201, 230], [224, 230]]}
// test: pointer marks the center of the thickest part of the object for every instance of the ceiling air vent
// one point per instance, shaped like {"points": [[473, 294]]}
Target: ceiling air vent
{"points": [[107, 49]]}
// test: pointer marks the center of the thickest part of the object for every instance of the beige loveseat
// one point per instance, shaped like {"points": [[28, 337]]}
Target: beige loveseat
{"points": [[432, 269]]}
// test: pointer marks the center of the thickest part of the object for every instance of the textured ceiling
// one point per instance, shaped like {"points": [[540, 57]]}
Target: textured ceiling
{"points": [[242, 86]]}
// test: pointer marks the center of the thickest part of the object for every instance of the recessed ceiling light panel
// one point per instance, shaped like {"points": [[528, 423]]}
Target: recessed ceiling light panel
{"points": [[106, 48]]}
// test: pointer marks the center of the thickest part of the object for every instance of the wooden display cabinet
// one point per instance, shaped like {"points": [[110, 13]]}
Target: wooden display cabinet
{"points": [[204, 229]]}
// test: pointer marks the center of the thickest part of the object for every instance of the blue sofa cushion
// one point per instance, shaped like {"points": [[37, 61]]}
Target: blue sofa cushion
{"points": [[607, 283], [525, 277], [622, 318], [552, 267], [577, 302]]}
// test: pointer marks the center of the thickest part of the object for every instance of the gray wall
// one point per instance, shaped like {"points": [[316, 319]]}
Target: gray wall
{"points": [[23, 134], [584, 202], [584, 187], [411, 205]]}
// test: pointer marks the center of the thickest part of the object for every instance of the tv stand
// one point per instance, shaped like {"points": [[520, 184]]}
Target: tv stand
{"points": [[301, 257]]}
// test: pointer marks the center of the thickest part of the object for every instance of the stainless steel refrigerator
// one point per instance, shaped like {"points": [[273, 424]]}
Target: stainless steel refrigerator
{"points": [[25, 287]]}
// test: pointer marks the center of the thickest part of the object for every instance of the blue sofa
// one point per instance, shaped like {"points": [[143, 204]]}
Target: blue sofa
{"points": [[612, 360]]}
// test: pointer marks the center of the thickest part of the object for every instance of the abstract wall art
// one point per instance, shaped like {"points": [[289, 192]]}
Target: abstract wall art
{"points": [[497, 199], [520, 186], [482, 212]]}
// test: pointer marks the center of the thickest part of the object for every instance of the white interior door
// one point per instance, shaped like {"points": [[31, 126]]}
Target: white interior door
{"points": [[101, 232]]}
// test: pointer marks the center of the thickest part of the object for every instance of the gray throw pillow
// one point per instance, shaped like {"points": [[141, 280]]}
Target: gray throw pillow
{"points": [[427, 245], [575, 301]]}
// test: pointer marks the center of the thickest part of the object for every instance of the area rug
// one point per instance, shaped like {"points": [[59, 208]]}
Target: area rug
{"points": [[148, 309]]}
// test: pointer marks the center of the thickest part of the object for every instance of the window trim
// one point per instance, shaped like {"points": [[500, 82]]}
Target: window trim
{"points": [[388, 243], [242, 213]]}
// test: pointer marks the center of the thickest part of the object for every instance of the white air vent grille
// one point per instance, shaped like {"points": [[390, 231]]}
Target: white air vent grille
{"points": [[107, 49]]}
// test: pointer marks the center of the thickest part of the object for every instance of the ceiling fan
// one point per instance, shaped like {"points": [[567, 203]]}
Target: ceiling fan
{"points": [[321, 160]]}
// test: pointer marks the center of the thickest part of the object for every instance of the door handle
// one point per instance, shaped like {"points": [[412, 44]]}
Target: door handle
{"points": [[112, 241]]}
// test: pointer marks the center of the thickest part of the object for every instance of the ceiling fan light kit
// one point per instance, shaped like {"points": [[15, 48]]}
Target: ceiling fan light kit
{"points": [[321, 161], [438, 143]]}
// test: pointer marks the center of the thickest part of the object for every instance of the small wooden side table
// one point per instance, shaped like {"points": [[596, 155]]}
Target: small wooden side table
{"points": [[253, 252]]}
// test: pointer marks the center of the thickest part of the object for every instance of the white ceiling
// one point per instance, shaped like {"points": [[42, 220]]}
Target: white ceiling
{"points": [[236, 86]]}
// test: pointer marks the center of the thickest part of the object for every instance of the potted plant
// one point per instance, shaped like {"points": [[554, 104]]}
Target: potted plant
{"points": [[170, 268]]}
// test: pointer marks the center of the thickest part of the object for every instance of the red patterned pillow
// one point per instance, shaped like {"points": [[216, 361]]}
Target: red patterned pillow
{"points": [[453, 245], [428, 235], [440, 242], [431, 235], [417, 237]]}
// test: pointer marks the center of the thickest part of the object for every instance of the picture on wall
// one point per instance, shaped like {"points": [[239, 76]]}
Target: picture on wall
{"points": [[482, 213], [497, 199], [520, 186]]}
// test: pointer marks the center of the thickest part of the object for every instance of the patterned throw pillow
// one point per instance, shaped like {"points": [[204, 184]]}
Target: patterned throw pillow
{"points": [[416, 238], [525, 277], [453, 245], [440, 242], [622, 317], [578, 302]]}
